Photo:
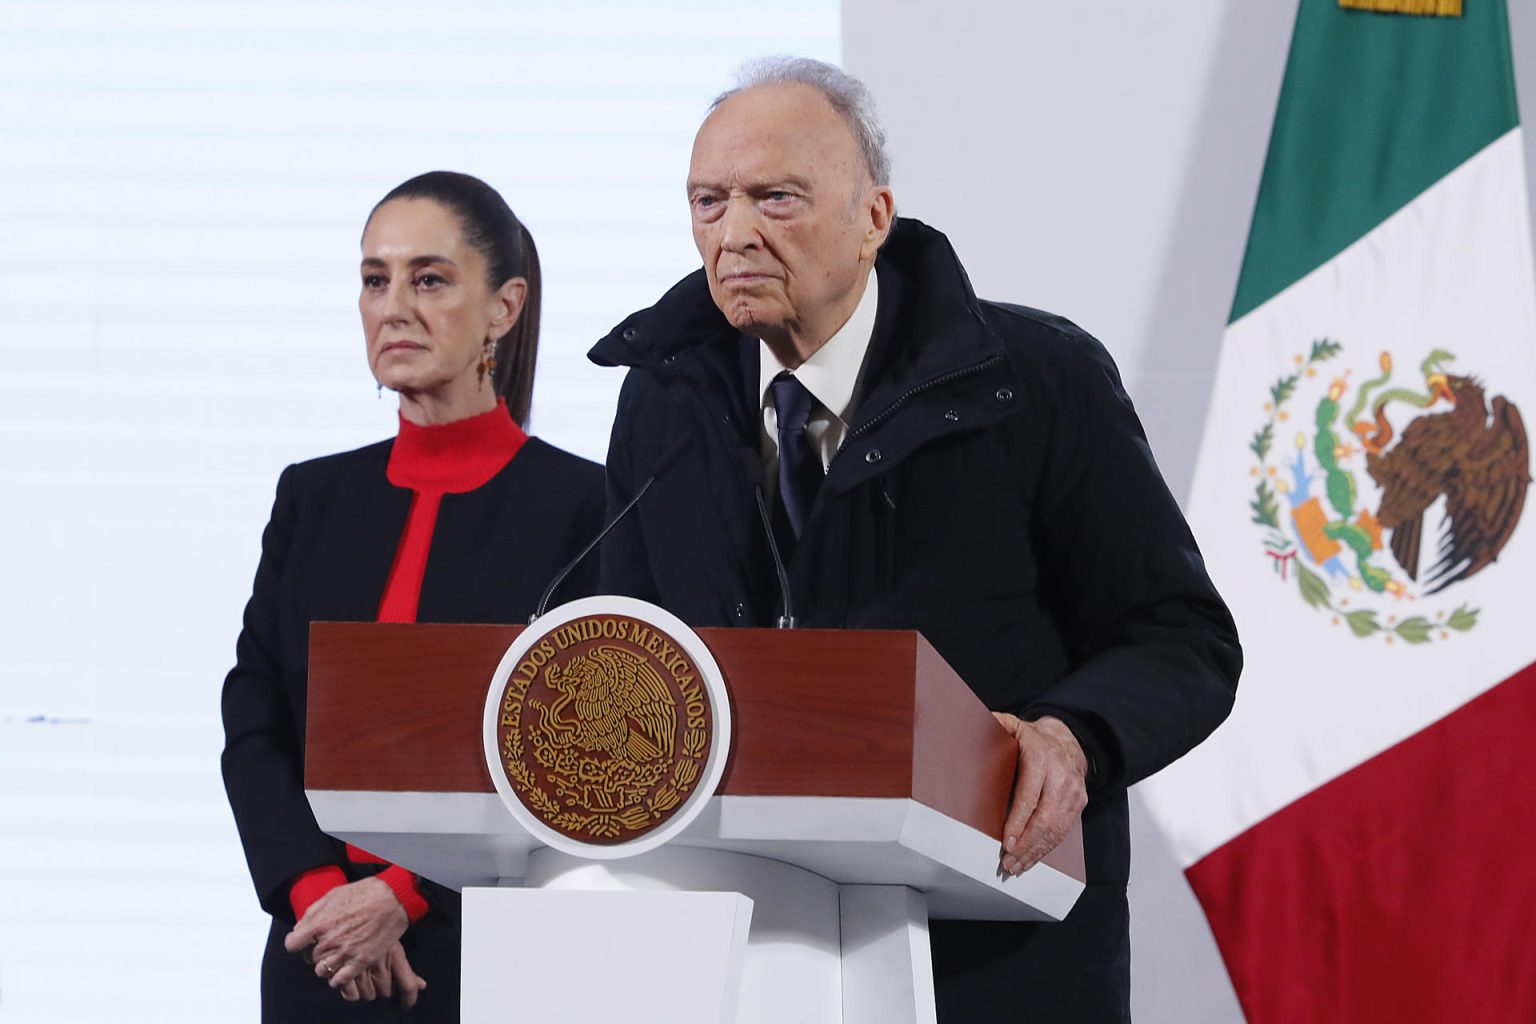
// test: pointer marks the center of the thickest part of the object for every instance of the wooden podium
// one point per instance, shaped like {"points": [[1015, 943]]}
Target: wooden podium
{"points": [[864, 792]]}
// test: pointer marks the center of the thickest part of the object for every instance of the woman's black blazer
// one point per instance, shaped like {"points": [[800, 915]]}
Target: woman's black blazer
{"points": [[325, 555]]}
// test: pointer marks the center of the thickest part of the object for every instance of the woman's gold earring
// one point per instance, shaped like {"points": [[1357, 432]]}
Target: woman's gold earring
{"points": [[487, 361]]}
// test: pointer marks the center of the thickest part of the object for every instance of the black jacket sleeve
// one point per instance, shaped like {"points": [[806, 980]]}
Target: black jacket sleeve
{"points": [[1154, 650], [263, 762], [626, 566]]}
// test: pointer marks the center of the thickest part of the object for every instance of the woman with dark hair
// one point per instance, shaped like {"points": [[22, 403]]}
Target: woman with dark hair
{"points": [[462, 517]]}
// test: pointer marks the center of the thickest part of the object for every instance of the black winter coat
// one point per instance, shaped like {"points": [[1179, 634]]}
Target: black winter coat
{"points": [[326, 555], [995, 492]]}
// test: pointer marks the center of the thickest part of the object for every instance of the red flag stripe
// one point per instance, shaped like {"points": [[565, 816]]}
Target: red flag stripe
{"points": [[1402, 891]]}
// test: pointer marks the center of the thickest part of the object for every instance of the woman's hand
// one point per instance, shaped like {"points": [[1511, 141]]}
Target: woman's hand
{"points": [[390, 978], [349, 931]]}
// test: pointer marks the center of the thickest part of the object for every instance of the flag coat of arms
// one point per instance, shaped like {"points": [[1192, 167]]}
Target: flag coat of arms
{"points": [[1359, 832]]}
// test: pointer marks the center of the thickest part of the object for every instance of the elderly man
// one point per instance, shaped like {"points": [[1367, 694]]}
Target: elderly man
{"points": [[935, 462]]}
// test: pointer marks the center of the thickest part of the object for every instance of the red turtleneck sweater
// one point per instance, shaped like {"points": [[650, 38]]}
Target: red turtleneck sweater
{"points": [[450, 458]]}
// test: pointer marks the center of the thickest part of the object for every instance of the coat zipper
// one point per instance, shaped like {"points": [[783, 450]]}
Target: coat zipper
{"points": [[908, 395]]}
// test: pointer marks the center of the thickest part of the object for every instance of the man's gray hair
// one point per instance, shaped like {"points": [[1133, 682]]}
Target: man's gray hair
{"points": [[850, 97]]}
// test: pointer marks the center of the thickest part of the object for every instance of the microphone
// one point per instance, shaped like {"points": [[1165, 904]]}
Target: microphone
{"points": [[786, 620], [662, 465]]}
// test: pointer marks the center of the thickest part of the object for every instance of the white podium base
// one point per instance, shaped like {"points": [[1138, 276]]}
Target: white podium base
{"points": [[684, 934], [579, 957]]}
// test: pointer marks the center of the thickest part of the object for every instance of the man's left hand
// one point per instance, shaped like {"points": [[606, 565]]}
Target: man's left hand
{"points": [[1049, 791]]}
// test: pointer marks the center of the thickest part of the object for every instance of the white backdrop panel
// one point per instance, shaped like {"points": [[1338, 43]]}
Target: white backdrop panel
{"points": [[182, 188]]}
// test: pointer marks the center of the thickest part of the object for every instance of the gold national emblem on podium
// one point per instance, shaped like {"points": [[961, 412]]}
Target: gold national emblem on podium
{"points": [[604, 728]]}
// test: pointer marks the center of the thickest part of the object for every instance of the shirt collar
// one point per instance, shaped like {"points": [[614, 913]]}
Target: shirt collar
{"points": [[831, 375]]}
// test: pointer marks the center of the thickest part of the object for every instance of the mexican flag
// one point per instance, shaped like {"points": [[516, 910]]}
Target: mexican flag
{"points": [[1362, 831]]}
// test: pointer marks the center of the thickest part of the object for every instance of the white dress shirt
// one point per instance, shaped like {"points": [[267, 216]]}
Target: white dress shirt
{"points": [[832, 375]]}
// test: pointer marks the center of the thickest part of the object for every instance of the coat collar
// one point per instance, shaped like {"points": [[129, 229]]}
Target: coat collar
{"points": [[933, 368], [934, 303]]}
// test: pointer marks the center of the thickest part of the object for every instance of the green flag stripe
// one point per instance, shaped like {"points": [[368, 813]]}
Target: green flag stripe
{"points": [[1375, 108]]}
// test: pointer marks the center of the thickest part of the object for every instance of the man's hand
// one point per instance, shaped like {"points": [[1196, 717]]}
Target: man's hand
{"points": [[347, 932], [1049, 792]]}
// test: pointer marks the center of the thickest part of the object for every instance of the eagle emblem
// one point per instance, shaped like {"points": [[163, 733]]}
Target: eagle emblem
{"points": [[604, 729], [623, 713], [1394, 489]]}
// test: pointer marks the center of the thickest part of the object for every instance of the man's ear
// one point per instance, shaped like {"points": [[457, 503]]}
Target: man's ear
{"points": [[880, 211]]}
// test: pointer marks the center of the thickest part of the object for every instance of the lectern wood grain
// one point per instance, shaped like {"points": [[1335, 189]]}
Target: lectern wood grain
{"points": [[858, 713], [399, 705]]}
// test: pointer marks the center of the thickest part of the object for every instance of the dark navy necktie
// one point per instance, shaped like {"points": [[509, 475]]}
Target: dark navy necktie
{"points": [[800, 472]]}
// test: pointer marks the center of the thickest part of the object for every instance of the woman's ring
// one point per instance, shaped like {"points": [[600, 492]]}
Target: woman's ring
{"points": [[328, 968]]}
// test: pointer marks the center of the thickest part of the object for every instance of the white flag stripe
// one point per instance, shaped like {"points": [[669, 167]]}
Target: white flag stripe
{"points": [[1452, 270]]}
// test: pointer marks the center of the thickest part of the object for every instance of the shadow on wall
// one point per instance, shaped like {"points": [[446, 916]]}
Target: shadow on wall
{"points": [[1177, 370], [1522, 42], [1176, 971], [1171, 941]]}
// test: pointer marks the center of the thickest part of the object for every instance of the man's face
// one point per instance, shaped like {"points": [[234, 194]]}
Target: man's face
{"points": [[784, 215]]}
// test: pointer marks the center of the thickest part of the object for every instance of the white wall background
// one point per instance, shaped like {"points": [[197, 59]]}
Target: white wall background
{"points": [[182, 188], [1101, 160]]}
